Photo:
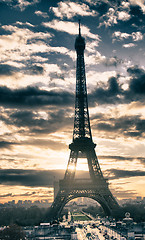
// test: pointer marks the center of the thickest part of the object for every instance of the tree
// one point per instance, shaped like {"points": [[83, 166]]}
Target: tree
{"points": [[12, 232]]}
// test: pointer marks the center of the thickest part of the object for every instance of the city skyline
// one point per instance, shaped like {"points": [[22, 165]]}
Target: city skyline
{"points": [[37, 76]]}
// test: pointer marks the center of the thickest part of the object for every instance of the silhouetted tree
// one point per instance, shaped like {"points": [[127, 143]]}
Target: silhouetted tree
{"points": [[97, 210], [21, 216], [137, 211], [13, 232]]}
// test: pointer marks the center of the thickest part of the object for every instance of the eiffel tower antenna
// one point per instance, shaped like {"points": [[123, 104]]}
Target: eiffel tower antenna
{"points": [[79, 27], [97, 186]]}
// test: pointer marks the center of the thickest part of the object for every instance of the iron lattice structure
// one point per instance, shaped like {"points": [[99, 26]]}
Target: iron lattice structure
{"points": [[96, 187]]}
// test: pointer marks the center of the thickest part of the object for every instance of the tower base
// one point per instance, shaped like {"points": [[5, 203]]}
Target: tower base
{"points": [[98, 191]]}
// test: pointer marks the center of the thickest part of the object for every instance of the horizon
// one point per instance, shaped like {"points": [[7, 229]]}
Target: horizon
{"points": [[37, 93]]}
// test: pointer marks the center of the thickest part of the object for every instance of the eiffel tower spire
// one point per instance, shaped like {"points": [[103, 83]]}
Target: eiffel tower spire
{"points": [[81, 122], [96, 187], [79, 27]]}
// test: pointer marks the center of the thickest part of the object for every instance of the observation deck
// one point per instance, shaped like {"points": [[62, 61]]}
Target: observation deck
{"points": [[83, 184]]}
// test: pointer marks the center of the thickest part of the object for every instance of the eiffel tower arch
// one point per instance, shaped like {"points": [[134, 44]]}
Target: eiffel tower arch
{"points": [[96, 187]]}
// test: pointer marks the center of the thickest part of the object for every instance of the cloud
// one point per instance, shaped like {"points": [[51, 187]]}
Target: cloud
{"points": [[6, 145], [121, 158], [18, 43], [23, 52], [135, 71], [129, 45], [42, 14], [109, 95], [140, 3], [7, 70], [29, 193], [5, 195], [25, 24], [33, 97], [32, 178], [116, 173], [109, 18], [45, 143], [22, 34], [123, 16], [38, 123], [70, 9], [114, 93], [129, 126], [20, 4], [119, 36], [137, 36], [137, 82], [114, 158], [121, 193], [112, 61], [113, 16], [120, 12], [36, 69], [69, 27], [94, 57]]}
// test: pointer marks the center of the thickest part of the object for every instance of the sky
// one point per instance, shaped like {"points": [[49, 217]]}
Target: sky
{"points": [[37, 93]]}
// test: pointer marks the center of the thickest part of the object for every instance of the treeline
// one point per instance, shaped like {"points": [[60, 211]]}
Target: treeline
{"points": [[34, 215], [137, 211], [94, 211], [22, 216], [12, 232], [25, 216]]}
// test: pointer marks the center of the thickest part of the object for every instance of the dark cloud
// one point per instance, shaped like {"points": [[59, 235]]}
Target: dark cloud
{"points": [[133, 126], [7, 145], [27, 194], [137, 17], [106, 96], [117, 173], [56, 75], [117, 158], [36, 124], [136, 12], [34, 97], [46, 178], [21, 5], [112, 61], [5, 195], [101, 7], [142, 160], [137, 83], [36, 70], [135, 71], [7, 70], [56, 121], [32, 178], [41, 143], [113, 93], [122, 158]]}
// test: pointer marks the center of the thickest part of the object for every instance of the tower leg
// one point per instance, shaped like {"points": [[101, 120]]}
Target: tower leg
{"points": [[57, 206], [108, 202], [61, 198]]}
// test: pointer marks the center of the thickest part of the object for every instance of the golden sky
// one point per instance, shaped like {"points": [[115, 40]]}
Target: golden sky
{"points": [[37, 93]]}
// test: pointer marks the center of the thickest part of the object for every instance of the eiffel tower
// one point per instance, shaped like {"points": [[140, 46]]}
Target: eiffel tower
{"points": [[96, 187]]}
